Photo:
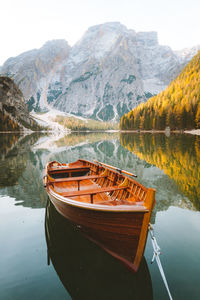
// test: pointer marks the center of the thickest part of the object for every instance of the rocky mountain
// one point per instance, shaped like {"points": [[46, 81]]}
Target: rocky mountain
{"points": [[33, 71], [187, 53], [104, 75], [14, 114]]}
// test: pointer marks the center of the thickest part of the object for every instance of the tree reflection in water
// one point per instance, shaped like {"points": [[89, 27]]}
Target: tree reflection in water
{"points": [[177, 155]]}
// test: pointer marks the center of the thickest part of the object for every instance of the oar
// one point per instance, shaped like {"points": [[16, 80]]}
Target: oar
{"points": [[114, 168]]}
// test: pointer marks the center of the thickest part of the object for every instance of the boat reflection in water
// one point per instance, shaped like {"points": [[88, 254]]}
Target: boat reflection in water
{"points": [[86, 271]]}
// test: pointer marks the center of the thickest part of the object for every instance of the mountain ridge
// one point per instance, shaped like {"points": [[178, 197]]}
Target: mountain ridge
{"points": [[110, 70]]}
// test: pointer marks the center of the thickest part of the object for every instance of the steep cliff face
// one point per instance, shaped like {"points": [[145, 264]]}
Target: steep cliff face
{"points": [[106, 74], [112, 69], [33, 71], [14, 114], [102, 78]]}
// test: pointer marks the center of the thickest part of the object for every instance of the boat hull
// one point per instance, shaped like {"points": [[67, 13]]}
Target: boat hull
{"points": [[122, 234]]}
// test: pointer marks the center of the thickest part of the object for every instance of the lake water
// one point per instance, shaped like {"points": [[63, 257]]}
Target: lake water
{"points": [[78, 268]]}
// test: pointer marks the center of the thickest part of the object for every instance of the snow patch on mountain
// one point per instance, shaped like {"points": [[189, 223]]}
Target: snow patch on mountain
{"points": [[187, 53], [47, 120]]}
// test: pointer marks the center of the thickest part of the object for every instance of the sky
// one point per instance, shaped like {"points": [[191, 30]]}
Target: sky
{"points": [[28, 24]]}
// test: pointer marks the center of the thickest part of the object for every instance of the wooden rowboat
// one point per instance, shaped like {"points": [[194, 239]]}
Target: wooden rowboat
{"points": [[85, 270], [109, 207]]}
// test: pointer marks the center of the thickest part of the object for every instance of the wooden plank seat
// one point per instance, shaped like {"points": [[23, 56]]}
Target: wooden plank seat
{"points": [[92, 192], [80, 178], [61, 169]]}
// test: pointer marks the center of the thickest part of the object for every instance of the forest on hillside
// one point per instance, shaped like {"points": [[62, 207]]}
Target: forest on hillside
{"points": [[76, 124], [178, 106]]}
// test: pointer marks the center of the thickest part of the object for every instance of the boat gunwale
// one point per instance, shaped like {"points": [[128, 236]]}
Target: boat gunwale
{"points": [[96, 206]]}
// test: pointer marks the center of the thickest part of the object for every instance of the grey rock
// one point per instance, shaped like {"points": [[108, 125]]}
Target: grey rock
{"points": [[14, 114], [107, 73], [32, 71]]}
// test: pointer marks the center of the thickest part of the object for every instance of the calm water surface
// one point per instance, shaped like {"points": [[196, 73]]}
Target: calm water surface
{"points": [[78, 268]]}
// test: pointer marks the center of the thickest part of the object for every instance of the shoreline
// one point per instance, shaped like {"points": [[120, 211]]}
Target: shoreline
{"points": [[192, 131]]}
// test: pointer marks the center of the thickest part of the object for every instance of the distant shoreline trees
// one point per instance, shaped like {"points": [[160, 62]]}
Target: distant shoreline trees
{"points": [[177, 107], [76, 124]]}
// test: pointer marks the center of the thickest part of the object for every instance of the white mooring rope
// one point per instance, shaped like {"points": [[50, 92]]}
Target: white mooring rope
{"points": [[156, 253]]}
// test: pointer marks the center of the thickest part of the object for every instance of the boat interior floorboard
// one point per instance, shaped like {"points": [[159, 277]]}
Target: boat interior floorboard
{"points": [[105, 198]]}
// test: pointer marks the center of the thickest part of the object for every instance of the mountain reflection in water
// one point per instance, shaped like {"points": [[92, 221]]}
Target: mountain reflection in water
{"points": [[177, 155], [24, 157], [22, 170], [86, 271]]}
